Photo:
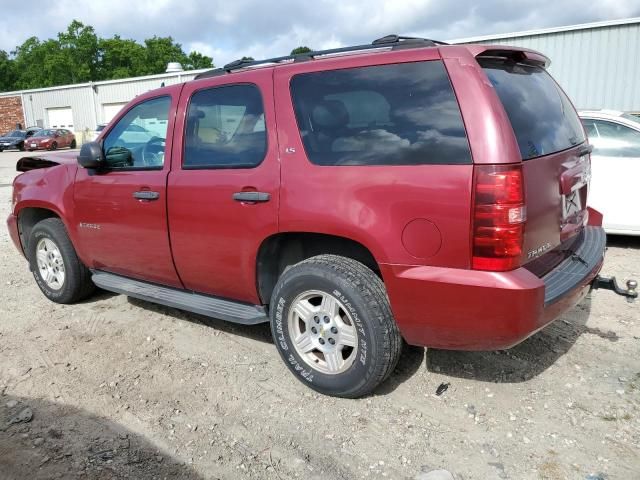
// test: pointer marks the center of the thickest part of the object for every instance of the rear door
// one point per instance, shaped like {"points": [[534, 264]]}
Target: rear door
{"points": [[224, 184], [552, 147]]}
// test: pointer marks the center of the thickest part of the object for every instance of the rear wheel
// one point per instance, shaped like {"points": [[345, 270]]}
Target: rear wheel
{"points": [[54, 263], [332, 324], [21, 147], [73, 144]]}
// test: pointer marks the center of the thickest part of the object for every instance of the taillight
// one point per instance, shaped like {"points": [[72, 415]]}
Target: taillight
{"points": [[499, 217]]}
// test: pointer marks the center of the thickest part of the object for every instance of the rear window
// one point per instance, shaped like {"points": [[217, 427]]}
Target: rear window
{"points": [[400, 114], [541, 115]]}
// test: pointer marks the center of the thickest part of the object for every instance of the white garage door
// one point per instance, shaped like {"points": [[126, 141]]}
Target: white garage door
{"points": [[110, 110], [60, 117]]}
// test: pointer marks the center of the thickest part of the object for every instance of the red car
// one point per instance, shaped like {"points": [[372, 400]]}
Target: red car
{"points": [[352, 198], [51, 139]]}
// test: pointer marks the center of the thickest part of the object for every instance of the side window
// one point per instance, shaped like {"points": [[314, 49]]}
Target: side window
{"points": [[400, 114], [138, 139], [225, 128], [617, 140]]}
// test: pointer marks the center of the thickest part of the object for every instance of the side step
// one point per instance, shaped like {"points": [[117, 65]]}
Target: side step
{"points": [[192, 302]]}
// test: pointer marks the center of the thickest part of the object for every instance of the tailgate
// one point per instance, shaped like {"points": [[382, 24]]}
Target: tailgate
{"points": [[555, 155]]}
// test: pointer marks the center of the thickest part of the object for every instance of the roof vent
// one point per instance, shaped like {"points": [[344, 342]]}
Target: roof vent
{"points": [[173, 67]]}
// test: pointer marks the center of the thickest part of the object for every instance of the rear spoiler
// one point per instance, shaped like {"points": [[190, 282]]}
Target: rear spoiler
{"points": [[519, 55], [32, 163]]}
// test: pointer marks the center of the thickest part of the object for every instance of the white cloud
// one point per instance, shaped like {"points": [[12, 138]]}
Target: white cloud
{"points": [[229, 30]]}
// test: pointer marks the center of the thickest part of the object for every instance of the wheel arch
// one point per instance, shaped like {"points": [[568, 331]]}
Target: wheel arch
{"points": [[28, 217], [281, 250]]}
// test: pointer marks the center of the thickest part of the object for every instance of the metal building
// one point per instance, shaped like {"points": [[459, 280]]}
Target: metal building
{"points": [[83, 106], [598, 64]]}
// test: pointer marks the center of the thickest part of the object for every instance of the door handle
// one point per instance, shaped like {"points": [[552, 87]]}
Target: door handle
{"points": [[251, 197], [146, 195]]}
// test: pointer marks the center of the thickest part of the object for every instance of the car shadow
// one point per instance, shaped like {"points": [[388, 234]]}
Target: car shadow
{"points": [[518, 364], [623, 241], [410, 361], [524, 361], [260, 332], [49, 440]]}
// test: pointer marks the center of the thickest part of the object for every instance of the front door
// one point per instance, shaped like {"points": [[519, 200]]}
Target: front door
{"points": [[223, 186], [122, 211]]}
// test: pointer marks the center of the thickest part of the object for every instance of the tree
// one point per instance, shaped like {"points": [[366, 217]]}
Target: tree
{"points": [[197, 61], [300, 50], [79, 45], [248, 59], [79, 55], [120, 58], [7, 72]]}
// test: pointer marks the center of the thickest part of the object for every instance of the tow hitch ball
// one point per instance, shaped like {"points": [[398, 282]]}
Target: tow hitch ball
{"points": [[610, 283]]}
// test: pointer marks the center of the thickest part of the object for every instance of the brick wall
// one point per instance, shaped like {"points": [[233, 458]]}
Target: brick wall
{"points": [[10, 113]]}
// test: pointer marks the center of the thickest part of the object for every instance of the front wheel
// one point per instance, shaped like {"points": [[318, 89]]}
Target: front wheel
{"points": [[53, 146], [332, 324], [54, 263]]}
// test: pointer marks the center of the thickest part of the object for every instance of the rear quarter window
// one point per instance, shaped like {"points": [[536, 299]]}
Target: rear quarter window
{"points": [[399, 114], [543, 119]]}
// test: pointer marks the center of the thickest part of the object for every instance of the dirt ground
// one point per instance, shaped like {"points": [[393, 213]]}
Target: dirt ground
{"points": [[119, 388]]}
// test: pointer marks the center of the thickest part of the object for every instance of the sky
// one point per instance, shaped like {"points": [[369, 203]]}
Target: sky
{"points": [[227, 30]]}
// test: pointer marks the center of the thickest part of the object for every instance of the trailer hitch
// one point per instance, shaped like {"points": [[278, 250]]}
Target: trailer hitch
{"points": [[610, 283]]}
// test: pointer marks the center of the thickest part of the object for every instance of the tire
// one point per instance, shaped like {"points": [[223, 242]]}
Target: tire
{"points": [[21, 147], [361, 307], [75, 282], [53, 146], [73, 144]]}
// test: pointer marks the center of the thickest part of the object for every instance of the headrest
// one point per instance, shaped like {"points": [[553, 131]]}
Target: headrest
{"points": [[330, 114]]}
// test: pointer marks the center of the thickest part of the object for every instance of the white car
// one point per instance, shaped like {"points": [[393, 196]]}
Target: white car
{"points": [[615, 168]]}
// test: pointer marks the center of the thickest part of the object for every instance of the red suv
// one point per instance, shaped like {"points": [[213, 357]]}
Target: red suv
{"points": [[354, 198]]}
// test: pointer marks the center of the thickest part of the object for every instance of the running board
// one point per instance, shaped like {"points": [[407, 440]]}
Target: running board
{"points": [[184, 300]]}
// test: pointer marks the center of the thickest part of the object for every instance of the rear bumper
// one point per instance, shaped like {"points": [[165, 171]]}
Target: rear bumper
{"points": [[12, 226], [474, 310]]}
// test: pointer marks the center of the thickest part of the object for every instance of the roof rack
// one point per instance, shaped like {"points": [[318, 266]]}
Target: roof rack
{"points": [[389, 42]]}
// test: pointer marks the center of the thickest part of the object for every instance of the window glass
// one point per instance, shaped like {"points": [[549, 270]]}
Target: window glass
{"points": [[225, 128], [138, 139], [400, 114], [541, 115], [616, 140], [590, 128]]}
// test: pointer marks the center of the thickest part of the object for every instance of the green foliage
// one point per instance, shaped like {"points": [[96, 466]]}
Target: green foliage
{"points": [[7, 72], [247, 59], [79, 55], [299, 50]]}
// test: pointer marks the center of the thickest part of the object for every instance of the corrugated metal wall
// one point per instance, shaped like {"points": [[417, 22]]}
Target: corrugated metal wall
{"points": [[598, 67], [86, 102]]}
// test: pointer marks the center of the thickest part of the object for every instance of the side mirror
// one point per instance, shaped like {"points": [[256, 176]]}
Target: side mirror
{"points": [[91, 156]]}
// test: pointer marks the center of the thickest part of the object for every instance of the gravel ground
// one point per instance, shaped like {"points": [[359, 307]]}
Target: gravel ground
{"points": [[119, 388]]}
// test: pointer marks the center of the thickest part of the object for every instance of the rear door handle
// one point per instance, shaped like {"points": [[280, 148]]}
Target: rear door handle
{"points": [[146, 195], [252, 197]]}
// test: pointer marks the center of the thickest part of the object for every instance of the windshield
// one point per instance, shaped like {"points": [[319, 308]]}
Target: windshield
{"points": [[15, 133], [541, 115]]}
